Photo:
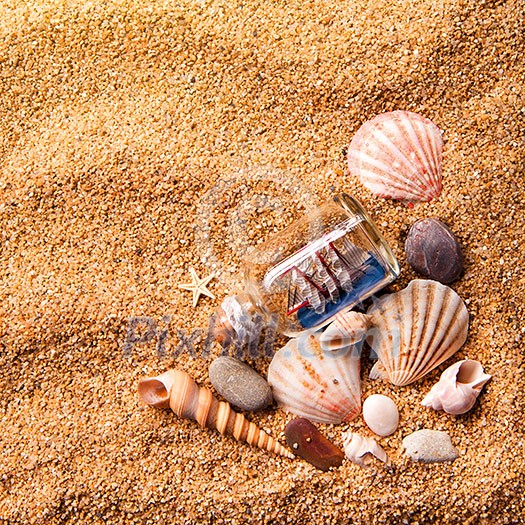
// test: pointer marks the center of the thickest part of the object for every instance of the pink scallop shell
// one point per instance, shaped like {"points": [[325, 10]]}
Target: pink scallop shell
{"points": [[321, 386], [398, 155]]}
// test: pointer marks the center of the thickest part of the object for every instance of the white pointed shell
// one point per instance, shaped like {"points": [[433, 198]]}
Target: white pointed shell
{"points": [[398, 155], [415, 330], [361, 450], [321, 386], [458, 387]]}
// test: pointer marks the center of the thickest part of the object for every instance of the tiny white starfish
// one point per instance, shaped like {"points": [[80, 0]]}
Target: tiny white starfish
{"points": [[198, 286]]}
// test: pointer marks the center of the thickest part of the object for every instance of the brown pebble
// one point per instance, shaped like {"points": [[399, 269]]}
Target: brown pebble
{"points": [[433, 251], [308, 443]]}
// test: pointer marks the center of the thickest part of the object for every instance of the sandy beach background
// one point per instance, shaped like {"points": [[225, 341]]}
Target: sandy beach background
{"points": [[138, 139]]}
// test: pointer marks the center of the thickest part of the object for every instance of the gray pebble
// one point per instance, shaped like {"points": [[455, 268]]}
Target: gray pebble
{"points": [[430, 446], [433, 251], [239, 384]]}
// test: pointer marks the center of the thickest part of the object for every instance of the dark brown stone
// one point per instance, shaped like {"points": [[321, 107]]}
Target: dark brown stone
{"points": [[308, 443], [433, 251]]}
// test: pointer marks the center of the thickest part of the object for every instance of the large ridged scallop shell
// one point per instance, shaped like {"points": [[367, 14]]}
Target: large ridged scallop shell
{"points": [[411, 331], [398, 155], [415, 330], [321, 386]]}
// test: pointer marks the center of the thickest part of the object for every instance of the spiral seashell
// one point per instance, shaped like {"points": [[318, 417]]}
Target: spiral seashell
{"points": [[322, 386], [458, 387], [361, 450], [398, 155], [177, 390]]}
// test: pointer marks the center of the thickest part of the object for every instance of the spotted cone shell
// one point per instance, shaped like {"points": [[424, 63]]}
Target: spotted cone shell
{"points": [[398, 155], [322, 386], [415, 330]]}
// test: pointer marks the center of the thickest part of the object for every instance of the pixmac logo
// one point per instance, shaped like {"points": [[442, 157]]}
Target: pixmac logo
{"points": [[196, 343]]}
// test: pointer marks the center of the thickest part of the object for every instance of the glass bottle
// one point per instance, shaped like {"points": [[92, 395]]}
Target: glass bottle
{"points": [[325, 263]]}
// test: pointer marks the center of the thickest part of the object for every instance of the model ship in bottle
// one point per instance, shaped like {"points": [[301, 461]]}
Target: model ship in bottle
{"points": [[322, 264]]}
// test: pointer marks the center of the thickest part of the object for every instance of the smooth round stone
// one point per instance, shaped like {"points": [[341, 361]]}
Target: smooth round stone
{"points": [[433, 251], [430, 446], [380, 414], [308, 443], [239, 384]]}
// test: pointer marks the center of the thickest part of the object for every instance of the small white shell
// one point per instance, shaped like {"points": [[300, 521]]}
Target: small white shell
{"points": [[361, 450], [398, 155], [236, 322], [320, 386], [458, 388], [380, 414]]}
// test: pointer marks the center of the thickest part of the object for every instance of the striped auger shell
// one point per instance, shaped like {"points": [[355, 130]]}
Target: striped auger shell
{"points": [[175, 389]]}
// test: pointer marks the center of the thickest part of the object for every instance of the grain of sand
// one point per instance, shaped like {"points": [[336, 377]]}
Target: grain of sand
{"points": [[138, 139]]}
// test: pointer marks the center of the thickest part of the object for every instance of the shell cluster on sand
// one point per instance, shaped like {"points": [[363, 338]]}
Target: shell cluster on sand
{"points": [[316, 376], [411, 331]]}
